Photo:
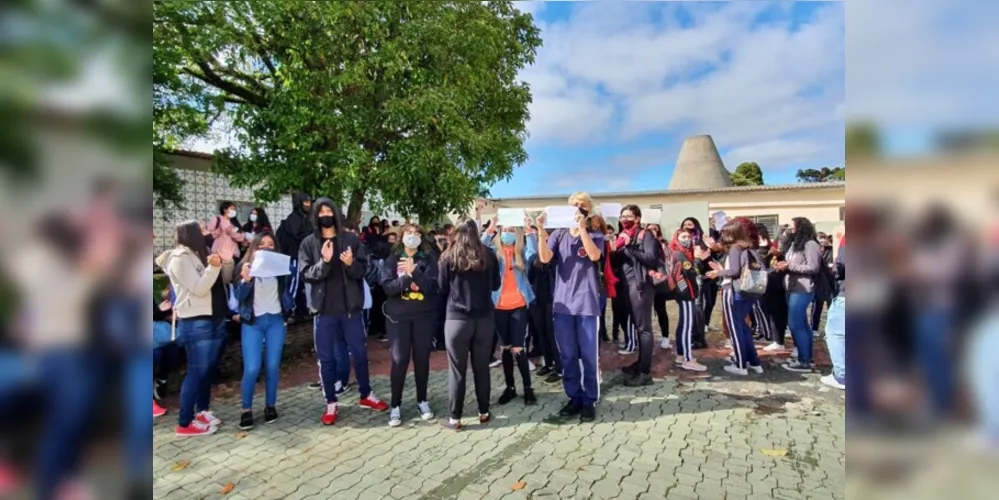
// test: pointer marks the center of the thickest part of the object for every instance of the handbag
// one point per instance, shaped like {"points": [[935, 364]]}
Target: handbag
{"points": [[753, 279]]}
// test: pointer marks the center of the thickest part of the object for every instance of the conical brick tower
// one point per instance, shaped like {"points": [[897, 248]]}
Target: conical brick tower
{"points": [[699, 166]]}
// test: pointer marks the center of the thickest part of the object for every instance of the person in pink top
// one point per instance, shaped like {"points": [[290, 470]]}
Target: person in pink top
{"points": [[226, 237]]}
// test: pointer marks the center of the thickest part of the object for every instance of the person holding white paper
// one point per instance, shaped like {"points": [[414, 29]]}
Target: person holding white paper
{"points": [[263, 304], [575, 253]]}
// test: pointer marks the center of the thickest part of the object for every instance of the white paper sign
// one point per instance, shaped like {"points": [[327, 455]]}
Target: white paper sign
{"points": [[720, 220], [270, 265], [510, 217], [560, 216], [610, 210], [651, 215]]}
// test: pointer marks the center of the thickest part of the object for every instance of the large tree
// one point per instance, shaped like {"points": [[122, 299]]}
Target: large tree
{"points": [[824, 174], [748, 173], [414, 106], [862, 141]]}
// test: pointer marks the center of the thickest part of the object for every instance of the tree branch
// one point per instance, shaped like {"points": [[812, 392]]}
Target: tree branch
{"points": [[209, 76]]}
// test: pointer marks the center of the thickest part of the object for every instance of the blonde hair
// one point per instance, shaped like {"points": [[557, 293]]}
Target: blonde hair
{"points": [[581, 197], [518, 247]]}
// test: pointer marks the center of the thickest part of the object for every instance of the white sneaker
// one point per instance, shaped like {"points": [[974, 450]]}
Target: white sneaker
{"points": [[694, 366], [831, 381], [664, 344], [735, 370], [530, 365], [728, 344], [713, 328], [496, 363], [395, 417], [625, 352], [794, 352], [425, 412], [774, 347], [758, 369]]}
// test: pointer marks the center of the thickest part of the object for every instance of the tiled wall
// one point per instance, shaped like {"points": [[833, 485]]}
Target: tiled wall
{"points": [[203, 191]]}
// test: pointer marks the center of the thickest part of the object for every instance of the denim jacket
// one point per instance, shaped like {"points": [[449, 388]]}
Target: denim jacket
{"points": [[523, 284], [243, 292]]}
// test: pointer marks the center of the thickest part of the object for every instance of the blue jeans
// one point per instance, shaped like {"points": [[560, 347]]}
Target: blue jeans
{"points": [[70, 390], [202, 339], [836, 337], [801, 331], [340, 338], [137, 395], [265, 335], [933, 338], [577, 343]]}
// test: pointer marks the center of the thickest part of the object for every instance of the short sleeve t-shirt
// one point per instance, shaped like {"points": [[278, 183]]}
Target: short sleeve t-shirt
{"points": [[576, 282]]}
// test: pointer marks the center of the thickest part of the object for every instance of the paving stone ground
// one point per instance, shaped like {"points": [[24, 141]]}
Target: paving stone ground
{"points": [[776, 435]]}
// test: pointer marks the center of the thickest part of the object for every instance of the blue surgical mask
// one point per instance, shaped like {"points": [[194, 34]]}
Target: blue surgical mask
{"points": [[508, 238], [412, 241]]}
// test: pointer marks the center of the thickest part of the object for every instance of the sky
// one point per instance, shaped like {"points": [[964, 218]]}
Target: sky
{"points": [[618, 86]]}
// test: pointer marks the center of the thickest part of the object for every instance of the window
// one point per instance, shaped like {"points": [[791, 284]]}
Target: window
{"points": [[770, 221]]}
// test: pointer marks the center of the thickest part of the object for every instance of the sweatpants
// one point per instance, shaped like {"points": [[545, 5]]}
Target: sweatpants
{"points": [[546, 334], [410, 339], [511, 327], [464, 336], [686, 323], [641, 299], [341, 337], [761, 318], [578, 345], [621, 311], [439, 342], [775, 303], [659, 306], [736, 307], [709, 296]]}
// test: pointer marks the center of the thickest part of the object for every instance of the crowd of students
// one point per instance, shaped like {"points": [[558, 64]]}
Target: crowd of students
{"points": [[469, 290]]}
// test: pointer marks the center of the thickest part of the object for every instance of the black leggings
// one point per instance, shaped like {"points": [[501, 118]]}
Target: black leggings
{"points": [[621, 309], [775, 304], [544, 318], [709, 296], [659, 306], [817, 304], [410, 339], [511, 327]]}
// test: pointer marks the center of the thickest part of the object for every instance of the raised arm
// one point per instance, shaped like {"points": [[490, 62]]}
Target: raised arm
{"points": [[644, 251]]}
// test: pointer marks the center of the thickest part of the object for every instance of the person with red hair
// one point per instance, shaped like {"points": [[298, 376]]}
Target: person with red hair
{"points": [[683, 263]]}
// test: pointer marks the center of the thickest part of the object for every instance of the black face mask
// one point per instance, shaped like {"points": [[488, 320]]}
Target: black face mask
{"points": [[326, 221]]}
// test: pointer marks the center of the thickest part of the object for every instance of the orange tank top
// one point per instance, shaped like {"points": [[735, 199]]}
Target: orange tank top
{"points": [[510, 296]]}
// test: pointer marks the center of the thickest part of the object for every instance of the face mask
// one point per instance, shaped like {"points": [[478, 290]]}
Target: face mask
{"points": [[231, 214], [412, 241], [685, 243], [253, 217], [627, 224], [508, 238], [326, 221]]}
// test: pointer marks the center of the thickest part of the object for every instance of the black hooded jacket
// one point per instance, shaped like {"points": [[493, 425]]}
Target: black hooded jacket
{"points": [[318, 273], [296, 226]]}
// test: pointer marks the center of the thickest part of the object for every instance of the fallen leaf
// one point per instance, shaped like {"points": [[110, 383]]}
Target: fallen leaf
{"points": [[228, 488], [180, 465], [519, 485], [240, 435], [777, 452]]}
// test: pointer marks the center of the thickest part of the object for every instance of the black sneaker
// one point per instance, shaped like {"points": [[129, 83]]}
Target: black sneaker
{"points": [[246, 421], [630, 370], [316, 385], [383, 337], [529, 397], [508, 395], [639, 380], [543, 371], [339, 388], [553, 378], [797, 367], [588, 414], [270, 415], [159, 389], [699, 344], [571, 409]]}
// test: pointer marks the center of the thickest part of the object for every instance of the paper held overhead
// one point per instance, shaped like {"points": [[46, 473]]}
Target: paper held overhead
{"points": [[652, 215], [270, 264], [560, 216], [510, 217], [720, 219], [610, 210]]}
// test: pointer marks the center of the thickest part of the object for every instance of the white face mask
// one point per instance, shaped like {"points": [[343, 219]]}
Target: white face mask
{"points": [[230, 214], [253, 217], [412, 241]]}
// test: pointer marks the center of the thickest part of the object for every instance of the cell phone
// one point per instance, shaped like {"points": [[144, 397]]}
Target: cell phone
{"points": [[584, 212]]}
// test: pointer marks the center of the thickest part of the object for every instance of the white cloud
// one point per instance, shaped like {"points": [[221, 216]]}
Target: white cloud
{"points": [[783, 152], [717, 74]]}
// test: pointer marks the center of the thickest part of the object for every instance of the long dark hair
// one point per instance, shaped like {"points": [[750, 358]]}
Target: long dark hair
{"points": [[254, 245], [637, 212], [734, 234], [262, 221], [698, 233], [189, 235], [466, 252], [804, 232]]}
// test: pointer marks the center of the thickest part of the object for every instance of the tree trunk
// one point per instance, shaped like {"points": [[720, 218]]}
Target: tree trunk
{"points": [[355, 206]]}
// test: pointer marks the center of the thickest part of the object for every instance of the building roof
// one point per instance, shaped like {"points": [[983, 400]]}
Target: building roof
{"points": [[670, 192]]}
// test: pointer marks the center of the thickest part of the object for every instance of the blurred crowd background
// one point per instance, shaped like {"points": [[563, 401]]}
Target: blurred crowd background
{"points": [[923, 193]]}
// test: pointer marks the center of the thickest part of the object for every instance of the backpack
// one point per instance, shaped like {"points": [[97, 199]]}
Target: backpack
{"points": [[753, 279]]}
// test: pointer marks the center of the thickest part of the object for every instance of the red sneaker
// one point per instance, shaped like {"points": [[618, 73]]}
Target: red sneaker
{"points": [[208, 418], [158, 411], [329, 416], [195, 428], [373, 403]]}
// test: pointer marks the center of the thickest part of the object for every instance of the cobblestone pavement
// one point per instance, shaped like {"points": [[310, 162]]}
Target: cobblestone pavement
{"points": [[779, 435]]}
